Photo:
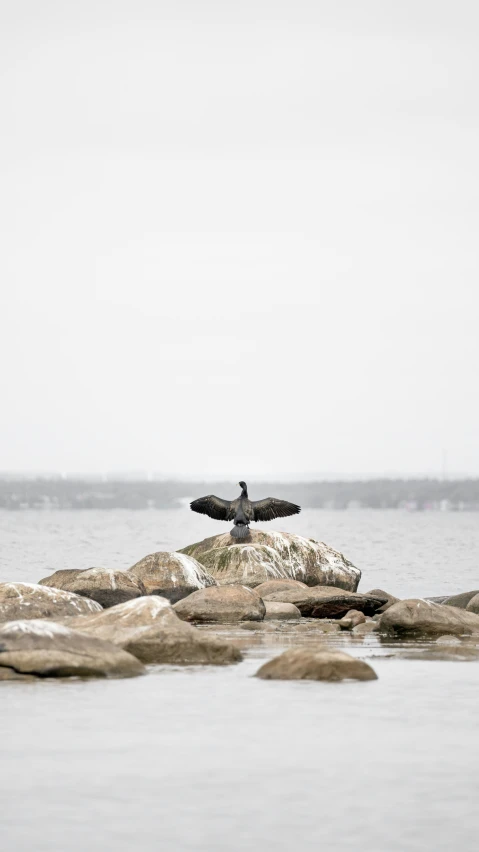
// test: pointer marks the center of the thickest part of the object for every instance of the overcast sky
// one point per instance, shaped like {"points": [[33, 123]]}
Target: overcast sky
{"points": [[239, 238]]}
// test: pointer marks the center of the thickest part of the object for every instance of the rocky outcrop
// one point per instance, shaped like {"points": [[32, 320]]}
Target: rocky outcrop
{"points": [[29, 600], [473, 604], [281, 611], [171, 575], [326, 601], [267, 556], [47, 649], [149, 628], [417, 617], [221, 604], [104, 585], [321, 663]]}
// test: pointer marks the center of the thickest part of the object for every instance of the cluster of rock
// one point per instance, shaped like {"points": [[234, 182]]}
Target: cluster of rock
{"points": [[100, 622]]}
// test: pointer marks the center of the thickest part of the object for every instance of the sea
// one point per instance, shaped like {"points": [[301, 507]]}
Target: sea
{"points": [[212, 759]]}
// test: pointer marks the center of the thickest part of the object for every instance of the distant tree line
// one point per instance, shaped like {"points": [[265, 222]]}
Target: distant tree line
{"points": [[414, 494]]}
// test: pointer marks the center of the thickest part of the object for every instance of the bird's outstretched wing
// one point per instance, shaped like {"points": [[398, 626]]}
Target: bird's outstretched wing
{"points": [[213, 506], [270, 507]]}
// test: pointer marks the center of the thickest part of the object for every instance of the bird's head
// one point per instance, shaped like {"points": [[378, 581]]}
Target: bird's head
{"points": [[242, 485]]}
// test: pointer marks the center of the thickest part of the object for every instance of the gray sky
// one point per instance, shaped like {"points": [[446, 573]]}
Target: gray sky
{"points": [[239, 238]]}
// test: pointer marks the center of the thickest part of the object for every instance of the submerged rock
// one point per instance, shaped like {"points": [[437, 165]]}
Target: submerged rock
{"points": [[172, 575], [104, 585], [322, 663], [281, 611], [222, 604], [31, 600], [149, 628], [267, 556], [417, 616], [365, 628], [326, 601], [48, 649]]}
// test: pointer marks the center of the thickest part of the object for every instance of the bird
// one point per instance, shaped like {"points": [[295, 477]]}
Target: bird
{"points": [[243, 510]]}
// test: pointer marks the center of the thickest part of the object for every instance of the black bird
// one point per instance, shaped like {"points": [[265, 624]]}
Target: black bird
{"points": [[243, 510]]}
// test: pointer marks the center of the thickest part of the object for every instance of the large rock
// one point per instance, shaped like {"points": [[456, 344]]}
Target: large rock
{"points": [[416, 617], [326, 601], [272, 586], [473, 604], [281, 611], [462, 600], [274, 556], [104, 585], [47, 649], [222, 604], [321, 663], [29, 600], [149, 628], [171, 575]]}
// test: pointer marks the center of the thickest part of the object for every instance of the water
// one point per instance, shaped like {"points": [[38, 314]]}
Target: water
{"points": [[214, 759]]}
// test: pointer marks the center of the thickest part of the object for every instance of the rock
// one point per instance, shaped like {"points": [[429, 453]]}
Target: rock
{"points": [[28, 600], [416, 617], [380, 593], [281, 611], [278, 586], [222, 604], [462, 600], [445, 653], [48, 649], [365, 628], [104, 585], [448, 640], [267, 556], [473, 605], [149, 628], [322, 663], [352, 619], [172, 575], [326, 601]]}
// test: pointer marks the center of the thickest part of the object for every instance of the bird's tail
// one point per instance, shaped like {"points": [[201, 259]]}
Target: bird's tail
{"points": [[240, 531]]}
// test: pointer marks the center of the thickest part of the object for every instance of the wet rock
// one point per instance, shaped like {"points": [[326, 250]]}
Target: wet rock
{"points": [[446, 653], [365, 628], [47, 649], [104, 585], [222, 604], [416, 617], [171, 575], [272, 586], [272, 555], [462, 600], [326, 601], [473, 605], [380, 593], [322, 663], [30, 600], [352, 619], [150, 629], [448, 640], [281, 611]]}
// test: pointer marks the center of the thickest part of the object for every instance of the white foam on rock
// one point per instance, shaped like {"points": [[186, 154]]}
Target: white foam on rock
{"points": [[37, 627], [193, 572]]}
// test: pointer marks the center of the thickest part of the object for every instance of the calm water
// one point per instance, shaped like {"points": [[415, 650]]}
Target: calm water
{"points": [[214, 759]]}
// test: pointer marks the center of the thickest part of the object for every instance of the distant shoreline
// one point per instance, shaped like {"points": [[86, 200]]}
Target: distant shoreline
{"points": [[17, 494]]}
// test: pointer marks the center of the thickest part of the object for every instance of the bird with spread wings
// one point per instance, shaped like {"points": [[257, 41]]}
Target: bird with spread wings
{"points": [[243, 510]]}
